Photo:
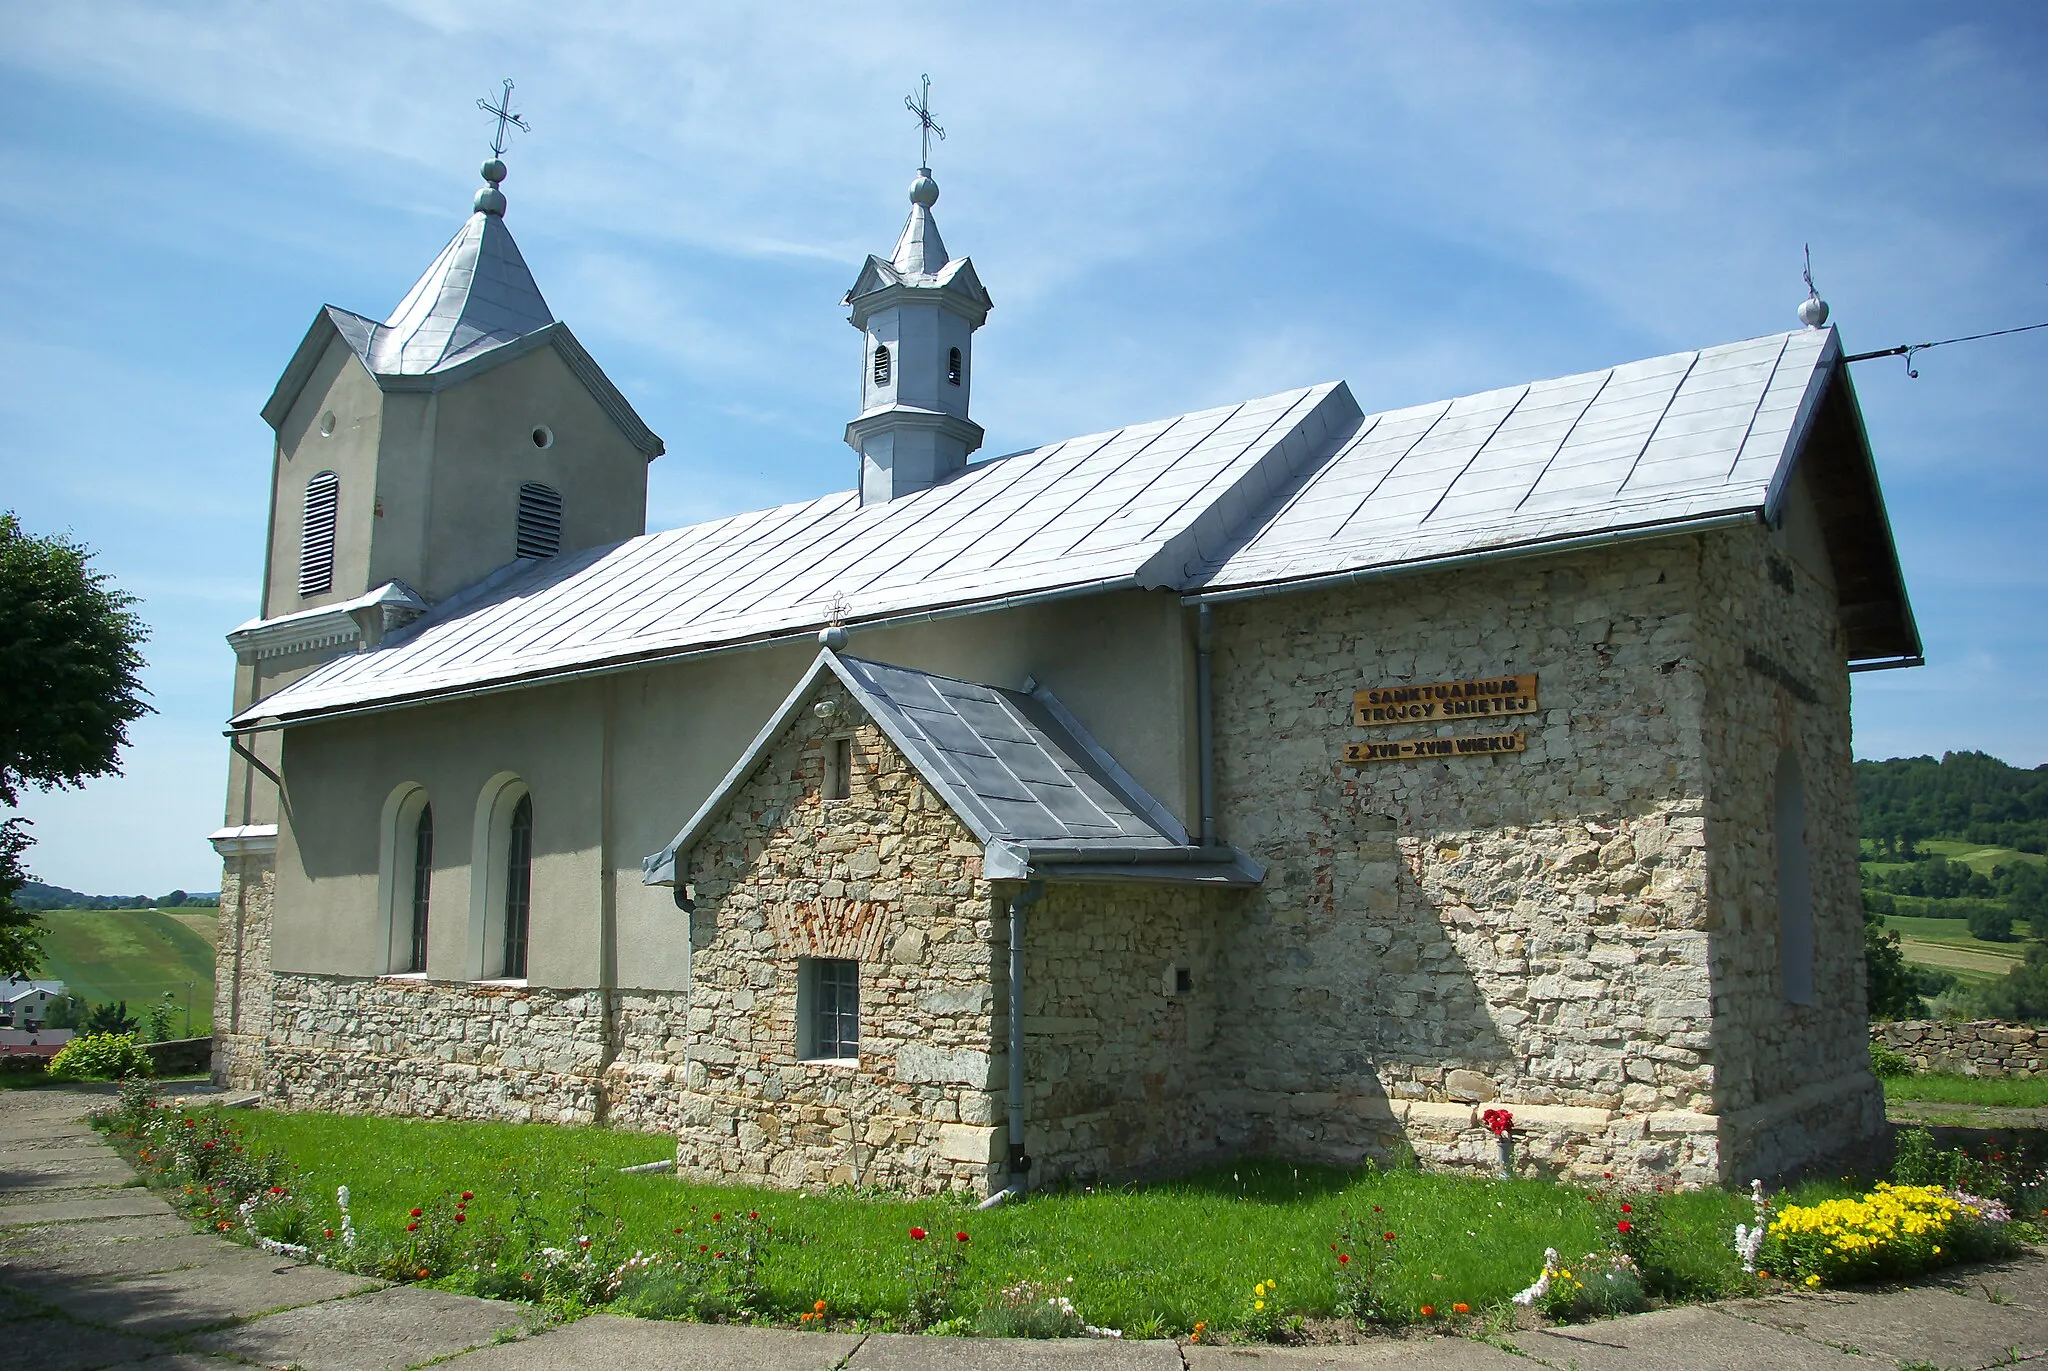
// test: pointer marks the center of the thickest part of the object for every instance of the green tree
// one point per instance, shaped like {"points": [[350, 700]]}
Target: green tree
{"points": [[110, 1017], [1892, 989], [2022, 993], [70, 684]]}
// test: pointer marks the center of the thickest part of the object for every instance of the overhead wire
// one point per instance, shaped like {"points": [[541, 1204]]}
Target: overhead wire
{"points": [[1906, 350]]}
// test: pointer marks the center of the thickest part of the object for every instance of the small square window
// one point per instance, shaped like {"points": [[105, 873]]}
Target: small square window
{"points": [[1178, 980], [838, 768], [828, 1008]]}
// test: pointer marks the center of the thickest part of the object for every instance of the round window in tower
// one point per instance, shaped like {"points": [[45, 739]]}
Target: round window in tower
{"points": [[543, 437], [327, 424]]}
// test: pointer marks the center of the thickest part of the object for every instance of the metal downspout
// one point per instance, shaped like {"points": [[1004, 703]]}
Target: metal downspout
{"points": [[1020, 1164], [1205, 725]]}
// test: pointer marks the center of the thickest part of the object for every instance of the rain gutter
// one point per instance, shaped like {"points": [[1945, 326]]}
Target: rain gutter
{"points": [[561, 676]]}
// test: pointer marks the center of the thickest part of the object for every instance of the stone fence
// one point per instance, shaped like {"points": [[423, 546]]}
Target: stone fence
{"points": [[180, 1056], [1983, 1048]]}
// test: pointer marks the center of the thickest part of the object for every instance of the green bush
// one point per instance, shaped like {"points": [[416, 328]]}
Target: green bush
{"points": [[1888, 1063], [101, 1057]]}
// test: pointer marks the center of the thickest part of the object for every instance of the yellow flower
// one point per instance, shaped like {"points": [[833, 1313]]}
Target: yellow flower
{"points": [[1258, 1304], [1812, 1281]]}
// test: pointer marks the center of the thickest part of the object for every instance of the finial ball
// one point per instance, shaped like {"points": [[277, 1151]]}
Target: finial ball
{"points": [[491, 200], [924, 191], [832, 636], [494, 171], [1813, 311]]}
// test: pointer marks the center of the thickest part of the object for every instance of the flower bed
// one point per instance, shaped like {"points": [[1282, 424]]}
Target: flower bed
{"points": [[1242, 1252]]}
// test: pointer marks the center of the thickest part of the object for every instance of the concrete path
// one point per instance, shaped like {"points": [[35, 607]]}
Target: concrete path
{"points": [[96, 1272]]}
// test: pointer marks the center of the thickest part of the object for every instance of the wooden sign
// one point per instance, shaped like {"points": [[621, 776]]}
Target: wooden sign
{"points": [[1441, 700], [1426, 749]]}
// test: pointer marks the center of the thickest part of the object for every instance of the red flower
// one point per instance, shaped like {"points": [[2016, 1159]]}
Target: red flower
{"points": [[415, 1213], [1628, 1209], [753, 1213], [1428, 1311], [330, 1232], [678, 1230], [459, 1217], [1461, 1309], [719, 1255], [409, 1227], [918, 1234], [717, 1218], [1390, 1237], [1623, 1226], [959, 1237], [1606, 1175], [1343, 1259], [700, 1246], [467, 1197]]}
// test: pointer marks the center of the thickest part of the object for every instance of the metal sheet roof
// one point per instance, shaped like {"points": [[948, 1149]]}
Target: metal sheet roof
{"points": [[1652, 442], [1135, 506], [1292, 486], [1017, 769]]}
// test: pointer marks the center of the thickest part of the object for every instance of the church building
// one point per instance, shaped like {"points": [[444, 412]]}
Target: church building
{"points": [[1277, 779]]}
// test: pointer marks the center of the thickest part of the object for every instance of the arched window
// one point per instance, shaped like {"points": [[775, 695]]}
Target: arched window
{"points": [[422, 885], [518, 887], [540, 520], [953, 367], [881, 364], [1795, 883], [316, 545]]}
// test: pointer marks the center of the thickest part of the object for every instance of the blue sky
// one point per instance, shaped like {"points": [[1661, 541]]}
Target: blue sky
{"points": [[1174, 206]]}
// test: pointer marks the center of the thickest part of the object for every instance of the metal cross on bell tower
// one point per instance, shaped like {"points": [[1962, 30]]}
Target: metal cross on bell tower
{"points": [[506, 118], [921, 106]]}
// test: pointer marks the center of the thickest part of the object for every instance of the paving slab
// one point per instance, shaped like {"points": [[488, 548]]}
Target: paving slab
{"points": [[202, 1297], [33, 1269], [92, 1232], [1944, 1327], [397, 1326], [60, 1345], [114, 1204], [605, 1340], [2022, 1281], [1422, 1354], [27, 1172], [903, 1352], [1681, 1340]]}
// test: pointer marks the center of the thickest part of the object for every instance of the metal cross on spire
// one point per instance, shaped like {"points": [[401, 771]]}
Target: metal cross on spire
{"points": [[921, 106], [506, 118]]}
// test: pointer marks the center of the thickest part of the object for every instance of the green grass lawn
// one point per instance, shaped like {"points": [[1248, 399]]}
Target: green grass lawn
{"points": [[1996, 1092], [133, 955], [1153, 1259], [1948, 945]]}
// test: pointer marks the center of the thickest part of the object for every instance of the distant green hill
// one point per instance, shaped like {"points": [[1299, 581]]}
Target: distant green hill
{"points": [[133, 955], [1965, 796]]}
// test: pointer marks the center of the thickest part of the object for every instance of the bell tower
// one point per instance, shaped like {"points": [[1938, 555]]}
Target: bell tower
{"points": [[917, 313]]}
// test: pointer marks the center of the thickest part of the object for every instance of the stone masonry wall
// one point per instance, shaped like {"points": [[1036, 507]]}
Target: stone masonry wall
{"points": [[241, 974], [1436, 936], [1982, 1048], [1794, 1082], [889, 877], [1116, 1077], [436, 1049]]}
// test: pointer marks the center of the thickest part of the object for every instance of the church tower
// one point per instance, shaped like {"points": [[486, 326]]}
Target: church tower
{"points": [[917, 313], [465, 431]]}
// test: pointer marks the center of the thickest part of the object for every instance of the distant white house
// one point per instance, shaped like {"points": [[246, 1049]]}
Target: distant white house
{"points": [[25, 1003]]}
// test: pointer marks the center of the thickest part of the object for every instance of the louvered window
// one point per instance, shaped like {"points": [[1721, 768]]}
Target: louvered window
{"points": [[518, 887], [881, 364], [422, 886], [316, 547], [540, 520], [953, 366]]}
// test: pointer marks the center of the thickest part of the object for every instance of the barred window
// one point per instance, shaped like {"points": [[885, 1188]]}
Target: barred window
{"points": [[316, 546], [829, 989], [518, 887], [881, 364], [953, 366], [540, 520]]}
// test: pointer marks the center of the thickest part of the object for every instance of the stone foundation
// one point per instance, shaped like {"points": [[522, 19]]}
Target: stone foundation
{"points": [[241, 977]]}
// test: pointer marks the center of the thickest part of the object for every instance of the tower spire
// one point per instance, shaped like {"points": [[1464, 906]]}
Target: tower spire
{"points": [[917, 312]]}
